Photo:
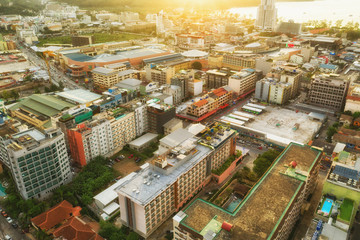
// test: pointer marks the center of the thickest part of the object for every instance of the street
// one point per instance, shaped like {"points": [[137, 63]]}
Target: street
{"points": [[57, 75], [7, 229]]}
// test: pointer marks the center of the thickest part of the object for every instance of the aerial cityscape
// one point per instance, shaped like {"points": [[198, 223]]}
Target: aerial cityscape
{"points": [[180, 120]]}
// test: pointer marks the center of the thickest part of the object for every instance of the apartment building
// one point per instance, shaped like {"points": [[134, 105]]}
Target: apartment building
{"points": [[213, 100], [163, 186], [217, 78], [182, 80], [174, 91], [123, 127], [38, 161], [288, 73], [89, 140], [328, 91], [273, 91], [109, 75], [239, 61], [195, 87], [288, 182], [244, 81], [140, 114], [160, 74], [158, 114]]}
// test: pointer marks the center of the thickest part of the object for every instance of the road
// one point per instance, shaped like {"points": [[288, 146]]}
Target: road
{"points": [[7, 229], [56, 74]]}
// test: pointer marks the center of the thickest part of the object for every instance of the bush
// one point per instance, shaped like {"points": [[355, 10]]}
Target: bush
{"points": [[263, 162]]}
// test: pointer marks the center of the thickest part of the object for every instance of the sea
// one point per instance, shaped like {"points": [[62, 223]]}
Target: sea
{"points": [[330, 10]]}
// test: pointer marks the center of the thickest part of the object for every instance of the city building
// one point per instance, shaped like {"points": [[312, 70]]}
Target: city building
{"points": [[217, 78], [163, 186], [143, 142], [109, 75], [328, 91], [195, 87], [182, 79], [123, 127], [130, 83], [290, 27], [194, 41], [172, 125], [273, 91], [266, 15], [174, 91], [159, 73], [38, 109], [328, 68], [349, 137], [141, 115], [38, 161], [218, 98], [239, 61], [78, 97], [289, 181], [158, 114], [244, 81], [89, 140], [353, 97]]}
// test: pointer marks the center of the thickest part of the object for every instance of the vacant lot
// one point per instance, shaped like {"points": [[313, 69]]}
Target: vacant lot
{"points": [[126, 166]]}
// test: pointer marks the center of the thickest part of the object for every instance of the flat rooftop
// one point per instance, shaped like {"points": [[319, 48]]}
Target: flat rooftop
{"points": [[263, 207], [142, 193], [278, 123], [79, 96]]}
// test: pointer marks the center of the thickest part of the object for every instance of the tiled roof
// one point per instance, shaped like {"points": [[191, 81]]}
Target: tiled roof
{"points": [[56, 215], [219, 92], [76, 229], [201, 103]]}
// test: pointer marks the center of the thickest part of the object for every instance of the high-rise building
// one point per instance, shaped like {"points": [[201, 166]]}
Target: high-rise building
{"points": [[244, 81], [217, 78], [159, 114], [38, 161], [328, 91], [273, 91], [89, 140], [353, 97], [182, 80], [266, 15], [180, 170]]}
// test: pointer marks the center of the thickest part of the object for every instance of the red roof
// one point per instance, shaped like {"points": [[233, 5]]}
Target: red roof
{"points": [[76, 229], [219, 92], [56, 215], [226, 226], [201, 103]]}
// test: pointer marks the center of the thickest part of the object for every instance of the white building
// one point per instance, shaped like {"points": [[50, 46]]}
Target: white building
{"points": [[266, 15], [38, 161], [244, 81]]}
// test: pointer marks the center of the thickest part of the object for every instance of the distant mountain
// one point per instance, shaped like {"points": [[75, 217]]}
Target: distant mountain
{"points": [[151, 5], [21, 7]]}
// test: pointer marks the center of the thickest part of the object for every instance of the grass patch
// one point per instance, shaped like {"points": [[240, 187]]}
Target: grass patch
{"points": [[346, 209], [98, 38]]}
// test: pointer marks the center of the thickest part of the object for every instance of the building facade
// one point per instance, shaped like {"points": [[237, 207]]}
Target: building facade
{"points": [[328, 91], [266, 15], [38, 161], [239, 61], [243, 81]]}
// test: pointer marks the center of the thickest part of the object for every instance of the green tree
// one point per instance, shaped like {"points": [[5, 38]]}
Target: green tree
{"points": [[196, 65], [5, 95], [330, 132], [15, 94], [132, 236], [356, 115]]}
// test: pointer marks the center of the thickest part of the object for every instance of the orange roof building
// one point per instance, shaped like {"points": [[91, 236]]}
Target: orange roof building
{"points": [[55, 215], [76, 229]]}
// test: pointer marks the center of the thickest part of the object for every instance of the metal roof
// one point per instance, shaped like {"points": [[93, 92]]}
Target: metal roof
{"points": [[80, 96], [346, 172]]}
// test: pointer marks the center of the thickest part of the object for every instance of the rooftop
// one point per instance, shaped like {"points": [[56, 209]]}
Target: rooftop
{"points": [[149, 181], [79, 96], [257, 217], [143, 139], [76, 229], [56, 215]]}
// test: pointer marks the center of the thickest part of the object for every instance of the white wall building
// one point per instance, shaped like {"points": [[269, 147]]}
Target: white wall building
{"points": [[266, 15]]}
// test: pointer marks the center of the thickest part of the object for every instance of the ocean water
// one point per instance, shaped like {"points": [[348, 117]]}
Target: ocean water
{"points": [[346, 10]]}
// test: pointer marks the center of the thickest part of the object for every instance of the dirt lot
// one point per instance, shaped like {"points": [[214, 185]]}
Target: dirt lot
{"points": [[126, 166]]}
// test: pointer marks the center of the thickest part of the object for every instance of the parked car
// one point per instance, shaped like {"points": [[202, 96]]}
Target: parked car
{"points": [[7, 237], [9, 220], [14, 225], [4, 213], [131, 155], [121, 157], [137, 160], [117, 159]]}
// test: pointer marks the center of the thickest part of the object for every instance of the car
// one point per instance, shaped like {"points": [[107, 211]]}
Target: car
{"points": [[7, 237], [14, 225], [9, 220], [121, 157], [137, 160], [131, 155], [117, 159], [4, 213]]}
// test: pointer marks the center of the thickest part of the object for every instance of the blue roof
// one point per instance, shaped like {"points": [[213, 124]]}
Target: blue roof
{"points": [[328, 66], [346, 172], [79, 57]]}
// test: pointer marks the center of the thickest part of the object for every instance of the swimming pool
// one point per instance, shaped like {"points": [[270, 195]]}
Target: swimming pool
{"points": [[2, 191], [326, 208], [233, 204]]}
